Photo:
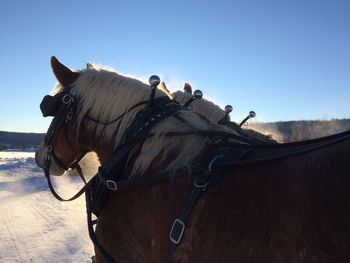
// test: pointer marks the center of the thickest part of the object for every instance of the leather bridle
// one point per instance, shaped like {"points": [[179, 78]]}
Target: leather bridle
{"points": [[64, 114], [61, 107]]}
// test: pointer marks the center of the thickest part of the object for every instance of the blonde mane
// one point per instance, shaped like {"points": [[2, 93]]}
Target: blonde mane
{"points": [[214, 113], [203, 107], [105, 95]]}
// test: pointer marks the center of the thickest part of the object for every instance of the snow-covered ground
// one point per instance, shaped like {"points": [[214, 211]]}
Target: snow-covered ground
{"points": [[34, 226]]}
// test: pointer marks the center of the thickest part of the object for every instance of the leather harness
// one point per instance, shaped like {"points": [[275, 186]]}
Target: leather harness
{"points": [[231, 151]]}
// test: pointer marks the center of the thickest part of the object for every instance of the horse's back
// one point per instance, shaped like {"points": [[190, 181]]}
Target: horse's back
{"points": [[293, 210]]}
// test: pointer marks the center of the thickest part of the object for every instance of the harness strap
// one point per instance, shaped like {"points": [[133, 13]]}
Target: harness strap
{"points": [[138, 130], [87, 189], [57, 196], [320, 144], [119, 117], [177, 231], [106, 257], [179, 224], [80, 172]]}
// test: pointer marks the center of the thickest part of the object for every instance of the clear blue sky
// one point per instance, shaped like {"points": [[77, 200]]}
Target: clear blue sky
{"points": [[287, 60]]}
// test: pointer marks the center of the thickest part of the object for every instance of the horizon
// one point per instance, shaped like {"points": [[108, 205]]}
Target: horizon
{"points": [[286, 61], [253, 123]]}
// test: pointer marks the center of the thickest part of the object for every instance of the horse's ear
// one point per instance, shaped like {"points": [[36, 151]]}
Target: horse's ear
{"points": [[163, 87], [63, 74], [188, 88]]}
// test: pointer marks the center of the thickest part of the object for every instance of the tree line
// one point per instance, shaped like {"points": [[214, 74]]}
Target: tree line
{"points": [[283, 131], [290, 131], [20, 140]]}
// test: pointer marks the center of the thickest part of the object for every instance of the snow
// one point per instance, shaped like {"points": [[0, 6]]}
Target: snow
{"points": [[34, 226], [14, 155]]}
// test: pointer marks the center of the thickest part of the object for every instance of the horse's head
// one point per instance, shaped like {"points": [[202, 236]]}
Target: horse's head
{"points": [[92, 109], [61, 149]]}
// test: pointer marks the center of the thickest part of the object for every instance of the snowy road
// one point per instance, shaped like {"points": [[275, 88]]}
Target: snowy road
{"points": [[34, 226]]}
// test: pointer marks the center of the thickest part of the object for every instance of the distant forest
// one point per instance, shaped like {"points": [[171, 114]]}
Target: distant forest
{"points": [[20, 140], [287, 131], [290, 131]]}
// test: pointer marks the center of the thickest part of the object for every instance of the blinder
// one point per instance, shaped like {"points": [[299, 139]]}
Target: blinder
{"points": [[50, 105]]}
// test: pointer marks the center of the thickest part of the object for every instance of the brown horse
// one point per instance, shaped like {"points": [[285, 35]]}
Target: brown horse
{"points": [[288, 203]]}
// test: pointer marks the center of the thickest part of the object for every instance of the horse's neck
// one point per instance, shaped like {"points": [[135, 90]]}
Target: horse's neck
{"points": [[165, 152], [105, 138]]}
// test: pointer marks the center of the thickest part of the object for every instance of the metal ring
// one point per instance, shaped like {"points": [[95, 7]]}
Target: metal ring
{"points": [[49, 148], [219, 156], [203, 187], [67, 98]]}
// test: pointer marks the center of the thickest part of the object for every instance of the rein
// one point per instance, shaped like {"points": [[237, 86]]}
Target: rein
{"points": [[119, 117]]}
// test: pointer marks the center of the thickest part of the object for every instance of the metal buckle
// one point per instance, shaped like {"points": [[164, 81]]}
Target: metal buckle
{"points": [[111, 185], [202, 187], [67, 98], [206, 177], [177, 231]]}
